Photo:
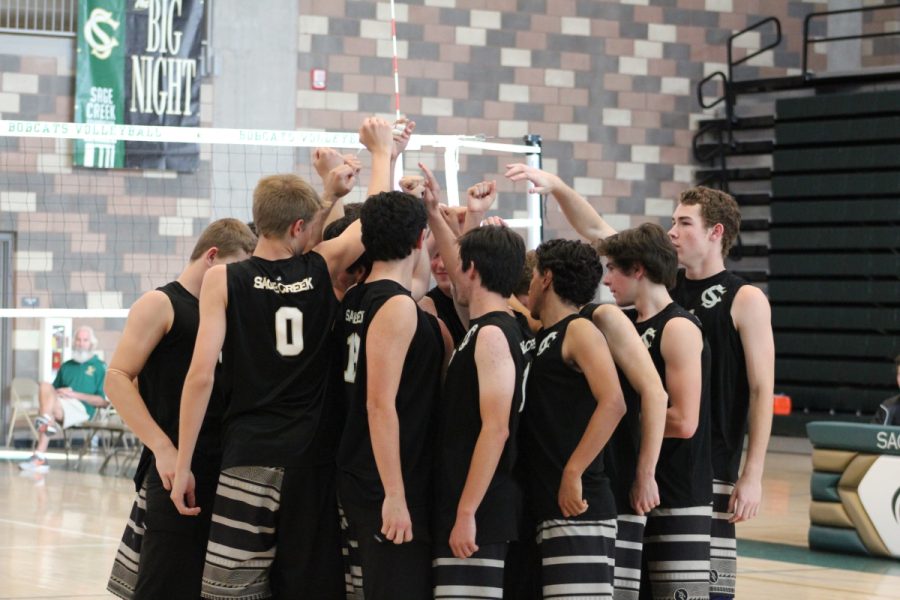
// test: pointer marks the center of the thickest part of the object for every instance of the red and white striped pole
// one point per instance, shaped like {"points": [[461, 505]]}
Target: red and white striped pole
{"points": [[396, 67]]}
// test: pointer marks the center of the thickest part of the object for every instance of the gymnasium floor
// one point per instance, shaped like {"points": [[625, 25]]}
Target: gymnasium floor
{"points": [[59, 532]]}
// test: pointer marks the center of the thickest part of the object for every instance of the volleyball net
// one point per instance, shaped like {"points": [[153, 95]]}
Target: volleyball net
{"points": [[80, 245]]}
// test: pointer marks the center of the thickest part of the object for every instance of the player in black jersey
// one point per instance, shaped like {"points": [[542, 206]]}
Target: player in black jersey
{"points": [[478, 499], [573, 403], [275, 529], [737, 323], [439, 299], [641, 266], [393, 354], [166, 560]]}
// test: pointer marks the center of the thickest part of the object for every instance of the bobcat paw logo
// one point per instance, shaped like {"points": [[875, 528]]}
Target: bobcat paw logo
{"points": [[98, 38], [90, 371], [680, 594], [712, 296], [647, 337]]}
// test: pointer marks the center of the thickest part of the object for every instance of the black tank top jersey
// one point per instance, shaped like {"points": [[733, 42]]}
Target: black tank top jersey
{"points": [[684, 469], [558, 406], [277, 355], [446, 312], [161, 380], [710, 300], [621, 452], [416, 403], [498, 516]]}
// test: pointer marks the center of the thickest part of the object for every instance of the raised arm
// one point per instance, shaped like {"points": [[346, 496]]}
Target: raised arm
{"points": [[376, 135], [199, 383], [578, 211], [387, 343], [631, 356], [682, 351], [753, 318], [444, 238], [496, 385], [585, 347], [479, 199], [149, 319]]}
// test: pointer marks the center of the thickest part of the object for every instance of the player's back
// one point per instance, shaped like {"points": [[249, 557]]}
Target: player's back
{"points": [[276, 356]]}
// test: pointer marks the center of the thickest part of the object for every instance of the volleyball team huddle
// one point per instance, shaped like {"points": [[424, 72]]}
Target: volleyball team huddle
{"points": [[318, 424]]}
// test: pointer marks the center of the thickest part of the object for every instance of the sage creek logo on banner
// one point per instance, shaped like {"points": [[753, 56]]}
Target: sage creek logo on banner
{"points": [[100, 42], [138, 65]]}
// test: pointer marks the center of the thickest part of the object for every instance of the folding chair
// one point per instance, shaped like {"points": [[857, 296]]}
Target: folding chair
{"points": [[25, 400]]}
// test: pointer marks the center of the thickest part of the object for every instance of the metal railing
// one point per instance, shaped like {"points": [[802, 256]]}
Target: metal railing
{"points": [[807, 41], [39, 17]]}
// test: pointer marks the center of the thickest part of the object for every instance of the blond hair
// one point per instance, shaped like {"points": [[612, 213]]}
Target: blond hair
{"points": [[230, 236], [279, 201]]}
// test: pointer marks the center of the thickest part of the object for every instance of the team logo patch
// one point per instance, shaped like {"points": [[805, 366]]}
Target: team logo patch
{"points": [[680, 594], [90, 371], [546, 342], [647, 337], [712, 295]]}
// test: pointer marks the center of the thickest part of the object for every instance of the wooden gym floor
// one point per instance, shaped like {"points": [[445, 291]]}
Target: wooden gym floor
{"points": [[59, 533]]}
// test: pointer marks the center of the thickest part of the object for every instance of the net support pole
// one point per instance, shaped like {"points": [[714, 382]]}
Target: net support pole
{"points": [[398, 167], [535, 209], [451, 173]]}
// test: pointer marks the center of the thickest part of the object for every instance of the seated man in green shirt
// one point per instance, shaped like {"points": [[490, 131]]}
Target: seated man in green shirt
{"points": [[73, 398]]}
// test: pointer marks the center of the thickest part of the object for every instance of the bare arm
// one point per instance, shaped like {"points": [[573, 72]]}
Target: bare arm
{"points": [[149, 319], [375, 134], [585, 347], [632, 357], [387, 343], [496, 382], [578, 211], [479, 199], [444, 238], [753, 319], [682, 350], [199, 383]]}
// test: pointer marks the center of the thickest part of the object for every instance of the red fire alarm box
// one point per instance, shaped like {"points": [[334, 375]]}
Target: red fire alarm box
{"points": [[318, 79]]}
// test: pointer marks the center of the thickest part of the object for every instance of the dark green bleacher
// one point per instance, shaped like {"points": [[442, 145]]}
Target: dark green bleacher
{"points": [[834, 280]]}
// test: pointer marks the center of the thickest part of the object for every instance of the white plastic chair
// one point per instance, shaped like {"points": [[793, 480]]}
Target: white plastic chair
{"points": [[25, 402]]}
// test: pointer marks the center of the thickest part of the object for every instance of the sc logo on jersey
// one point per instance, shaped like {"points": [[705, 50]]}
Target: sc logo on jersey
{"points": [[712, 295]]}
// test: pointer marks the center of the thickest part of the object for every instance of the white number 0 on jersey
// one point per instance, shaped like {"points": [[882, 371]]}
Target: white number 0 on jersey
{"points": [[289, 318]]}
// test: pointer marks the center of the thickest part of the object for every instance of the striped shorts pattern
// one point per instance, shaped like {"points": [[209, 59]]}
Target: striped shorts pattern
{"points": [[577, 558], [629, 548], [353, 579], [123, 579], [241, 545], [723, 551], [676, 552], [479, 577]]}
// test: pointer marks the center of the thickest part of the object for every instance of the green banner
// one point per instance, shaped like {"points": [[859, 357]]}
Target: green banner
{"points": [[100, 82]]}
